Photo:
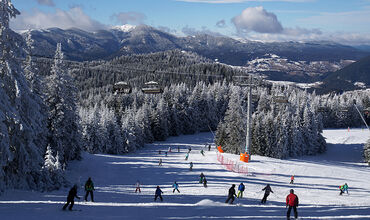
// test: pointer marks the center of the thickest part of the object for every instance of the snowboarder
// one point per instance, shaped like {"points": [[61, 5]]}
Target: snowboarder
{"points": [[187, 156], [201, 177], [70, 198], [241, 189], [160, 162], [89, 188], [202, 152], [231, 195], [292, 202], [209, 147], [158, 193], [267, 190], [191, 166], [205, 182], [176, 187], [292, 179], [137, 185]]}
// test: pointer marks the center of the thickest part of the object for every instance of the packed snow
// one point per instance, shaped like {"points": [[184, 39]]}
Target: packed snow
{"points": [[317, 181]]}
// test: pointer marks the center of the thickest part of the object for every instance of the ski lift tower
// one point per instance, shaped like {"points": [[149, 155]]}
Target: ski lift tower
{"points": [[248, 138]]}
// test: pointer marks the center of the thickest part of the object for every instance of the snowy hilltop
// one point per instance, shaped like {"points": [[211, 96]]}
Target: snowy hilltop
{"points": [[317, 181]]}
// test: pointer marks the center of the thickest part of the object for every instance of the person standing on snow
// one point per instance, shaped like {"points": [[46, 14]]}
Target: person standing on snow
{"points": [[201, 177], [209, 147], [187, 156], [292, 179], [158, 193], [71, 198], [89, 188], [292, 202], [137, 185], [231, 195], [241, 189], [175, 187], [267, 190], [205, 182]]}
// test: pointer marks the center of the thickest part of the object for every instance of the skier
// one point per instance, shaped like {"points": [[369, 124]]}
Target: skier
{"points": [[267, 190], [159, 151], [165, 153], [176, 187], [205, 182], [160, 162], [292, 202], [343, 188], [292, 179], [202, 152], [137, 185], [178, 149], [201, 177], [158, 193], [187, 156], [169, 150], [189, 149], [241, 189], [70, 198], [89, 188], [191, 166], [231, 195], [209, 147]]}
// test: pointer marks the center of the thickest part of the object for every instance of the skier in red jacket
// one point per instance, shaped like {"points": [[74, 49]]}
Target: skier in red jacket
{"points": [[292, 202]]}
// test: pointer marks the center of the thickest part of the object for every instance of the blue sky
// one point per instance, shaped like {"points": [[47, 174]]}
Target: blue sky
{"points": [[344, 21]]}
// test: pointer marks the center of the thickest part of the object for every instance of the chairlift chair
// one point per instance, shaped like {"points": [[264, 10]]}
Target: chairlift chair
{"points": [[122, 87], [152, 87], [280, 99]]}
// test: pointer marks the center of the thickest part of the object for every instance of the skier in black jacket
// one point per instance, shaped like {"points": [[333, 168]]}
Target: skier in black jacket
{"points": [[231, 195], [267, 190], [70, 199]]}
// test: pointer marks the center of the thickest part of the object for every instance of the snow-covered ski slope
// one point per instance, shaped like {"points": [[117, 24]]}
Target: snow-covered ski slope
{"points": [[317, 180]]}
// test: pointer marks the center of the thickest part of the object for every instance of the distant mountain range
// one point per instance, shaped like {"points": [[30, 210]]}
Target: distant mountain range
{"points": [[81, 45], [351, 77], [291, 61]]}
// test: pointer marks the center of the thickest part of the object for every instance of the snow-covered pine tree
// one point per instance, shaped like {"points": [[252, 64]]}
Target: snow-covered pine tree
{"points": [[21, 156], [235, 124], [63, 120], [367, 152], [49, 163]]}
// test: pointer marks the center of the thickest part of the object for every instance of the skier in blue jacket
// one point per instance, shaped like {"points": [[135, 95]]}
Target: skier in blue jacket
{"points": [[241, 189], [176, 187]]}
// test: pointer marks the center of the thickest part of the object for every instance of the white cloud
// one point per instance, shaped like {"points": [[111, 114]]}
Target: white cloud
{"points": [[46, 2], [129, 18], [74, 17], [257, 19], [338, 37]]}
